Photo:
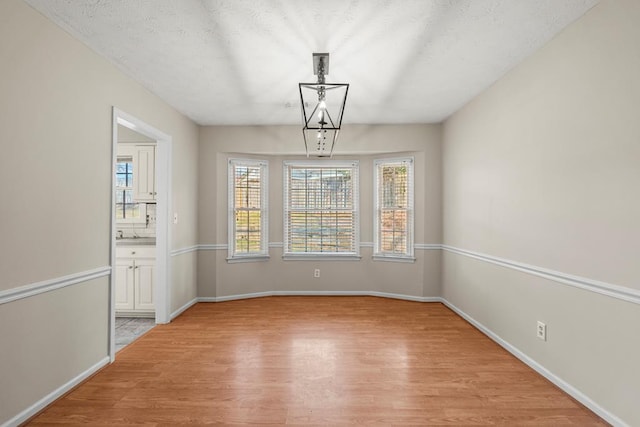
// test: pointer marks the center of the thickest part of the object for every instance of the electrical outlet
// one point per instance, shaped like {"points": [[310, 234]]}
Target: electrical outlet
{"points": [[541, 331], [316, 273]]}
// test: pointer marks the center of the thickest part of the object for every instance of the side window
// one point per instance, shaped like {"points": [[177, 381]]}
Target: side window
{"points": [[248, 210], [393, 234]]}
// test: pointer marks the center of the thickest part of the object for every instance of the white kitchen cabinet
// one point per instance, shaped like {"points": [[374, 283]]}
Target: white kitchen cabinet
{"points": [[124, 284], [143, 284], [135, 278], [144, 173]]}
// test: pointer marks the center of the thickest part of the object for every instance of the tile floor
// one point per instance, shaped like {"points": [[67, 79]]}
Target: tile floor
{"points": [[128, 329]]}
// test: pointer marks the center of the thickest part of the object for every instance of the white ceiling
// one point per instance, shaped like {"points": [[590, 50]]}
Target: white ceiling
{"points": [[240, 61]]}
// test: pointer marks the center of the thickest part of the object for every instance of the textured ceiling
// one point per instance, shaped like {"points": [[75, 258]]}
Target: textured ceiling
{"points": [[240, 61]]}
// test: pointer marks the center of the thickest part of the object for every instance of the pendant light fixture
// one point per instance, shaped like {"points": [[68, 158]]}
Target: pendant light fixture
{"points": [[322, 108]]}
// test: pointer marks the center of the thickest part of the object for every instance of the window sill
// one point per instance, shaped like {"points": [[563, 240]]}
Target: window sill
{"points": [[254, 258], [321, 257], [389, 258]]}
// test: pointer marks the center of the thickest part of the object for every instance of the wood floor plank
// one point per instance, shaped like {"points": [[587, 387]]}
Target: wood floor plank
{"points": [[317, 361]]}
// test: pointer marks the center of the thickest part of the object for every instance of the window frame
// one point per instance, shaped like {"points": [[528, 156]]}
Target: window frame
{"points": [[409, 254], [263, 254], [354, 165]]}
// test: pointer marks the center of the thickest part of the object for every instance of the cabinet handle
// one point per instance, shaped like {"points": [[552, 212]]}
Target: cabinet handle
{"points": [[151, 194], [133, 252], [130, 267]]}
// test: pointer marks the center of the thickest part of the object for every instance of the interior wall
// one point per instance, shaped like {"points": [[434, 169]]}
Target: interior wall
{"points": [[48, 339], [55, 181], [542, 169], [219, 279]]}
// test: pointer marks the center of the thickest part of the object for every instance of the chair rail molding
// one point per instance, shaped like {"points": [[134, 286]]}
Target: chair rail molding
{"points": [[37, 288], [603, 288]]}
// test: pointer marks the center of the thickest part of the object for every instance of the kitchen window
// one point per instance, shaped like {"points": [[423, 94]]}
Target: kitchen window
{"points": [[248, 210], [321, 217], [127, 209]]}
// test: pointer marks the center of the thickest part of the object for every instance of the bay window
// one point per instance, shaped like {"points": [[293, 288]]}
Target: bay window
{"points": [[321, 209]]}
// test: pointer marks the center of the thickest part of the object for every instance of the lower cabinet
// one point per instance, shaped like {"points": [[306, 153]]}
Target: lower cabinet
{"points": [[135, 271]]}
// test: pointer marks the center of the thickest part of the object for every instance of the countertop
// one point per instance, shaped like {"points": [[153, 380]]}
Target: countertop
{"points": [[140, 241]]}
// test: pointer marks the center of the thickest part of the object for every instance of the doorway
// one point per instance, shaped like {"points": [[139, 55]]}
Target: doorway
{"points": [[153, 296]]}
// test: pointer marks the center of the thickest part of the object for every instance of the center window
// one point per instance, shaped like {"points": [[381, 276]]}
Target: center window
{"points": [[321, 209]]}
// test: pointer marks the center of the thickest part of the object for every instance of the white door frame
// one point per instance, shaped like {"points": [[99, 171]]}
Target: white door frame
{"points": [[161, 289]]}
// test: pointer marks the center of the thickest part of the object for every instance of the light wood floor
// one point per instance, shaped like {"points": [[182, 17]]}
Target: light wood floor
{"points": [[317, 361]]}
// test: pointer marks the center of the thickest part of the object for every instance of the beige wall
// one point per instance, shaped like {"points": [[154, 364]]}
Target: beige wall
{"points": [[48, 339], [543, 169], [217, 278], [55, 182]]}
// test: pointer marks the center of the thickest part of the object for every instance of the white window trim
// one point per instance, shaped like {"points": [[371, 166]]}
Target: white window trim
{"points": [[377, 254], [323, 256], [263, 255]]}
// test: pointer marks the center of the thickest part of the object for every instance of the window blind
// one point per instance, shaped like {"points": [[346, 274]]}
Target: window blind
{"points": [[321, 208], [393, 235], [248, 213]]}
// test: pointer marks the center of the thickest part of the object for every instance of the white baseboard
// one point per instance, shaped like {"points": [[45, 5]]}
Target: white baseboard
{"points": [[54, 395], [565, 386], [179, 311], [237, 297], [404, 297], [319, 293]]}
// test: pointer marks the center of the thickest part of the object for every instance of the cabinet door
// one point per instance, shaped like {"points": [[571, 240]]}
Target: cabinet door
{"points": [[144, 173], [124, 284], [144, 272]]}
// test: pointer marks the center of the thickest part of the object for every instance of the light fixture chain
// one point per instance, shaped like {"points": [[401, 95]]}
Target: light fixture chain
{"points": [[321, 71]]}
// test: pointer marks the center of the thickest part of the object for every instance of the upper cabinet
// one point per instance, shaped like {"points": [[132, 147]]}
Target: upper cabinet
{"points": [[144, 173]]}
